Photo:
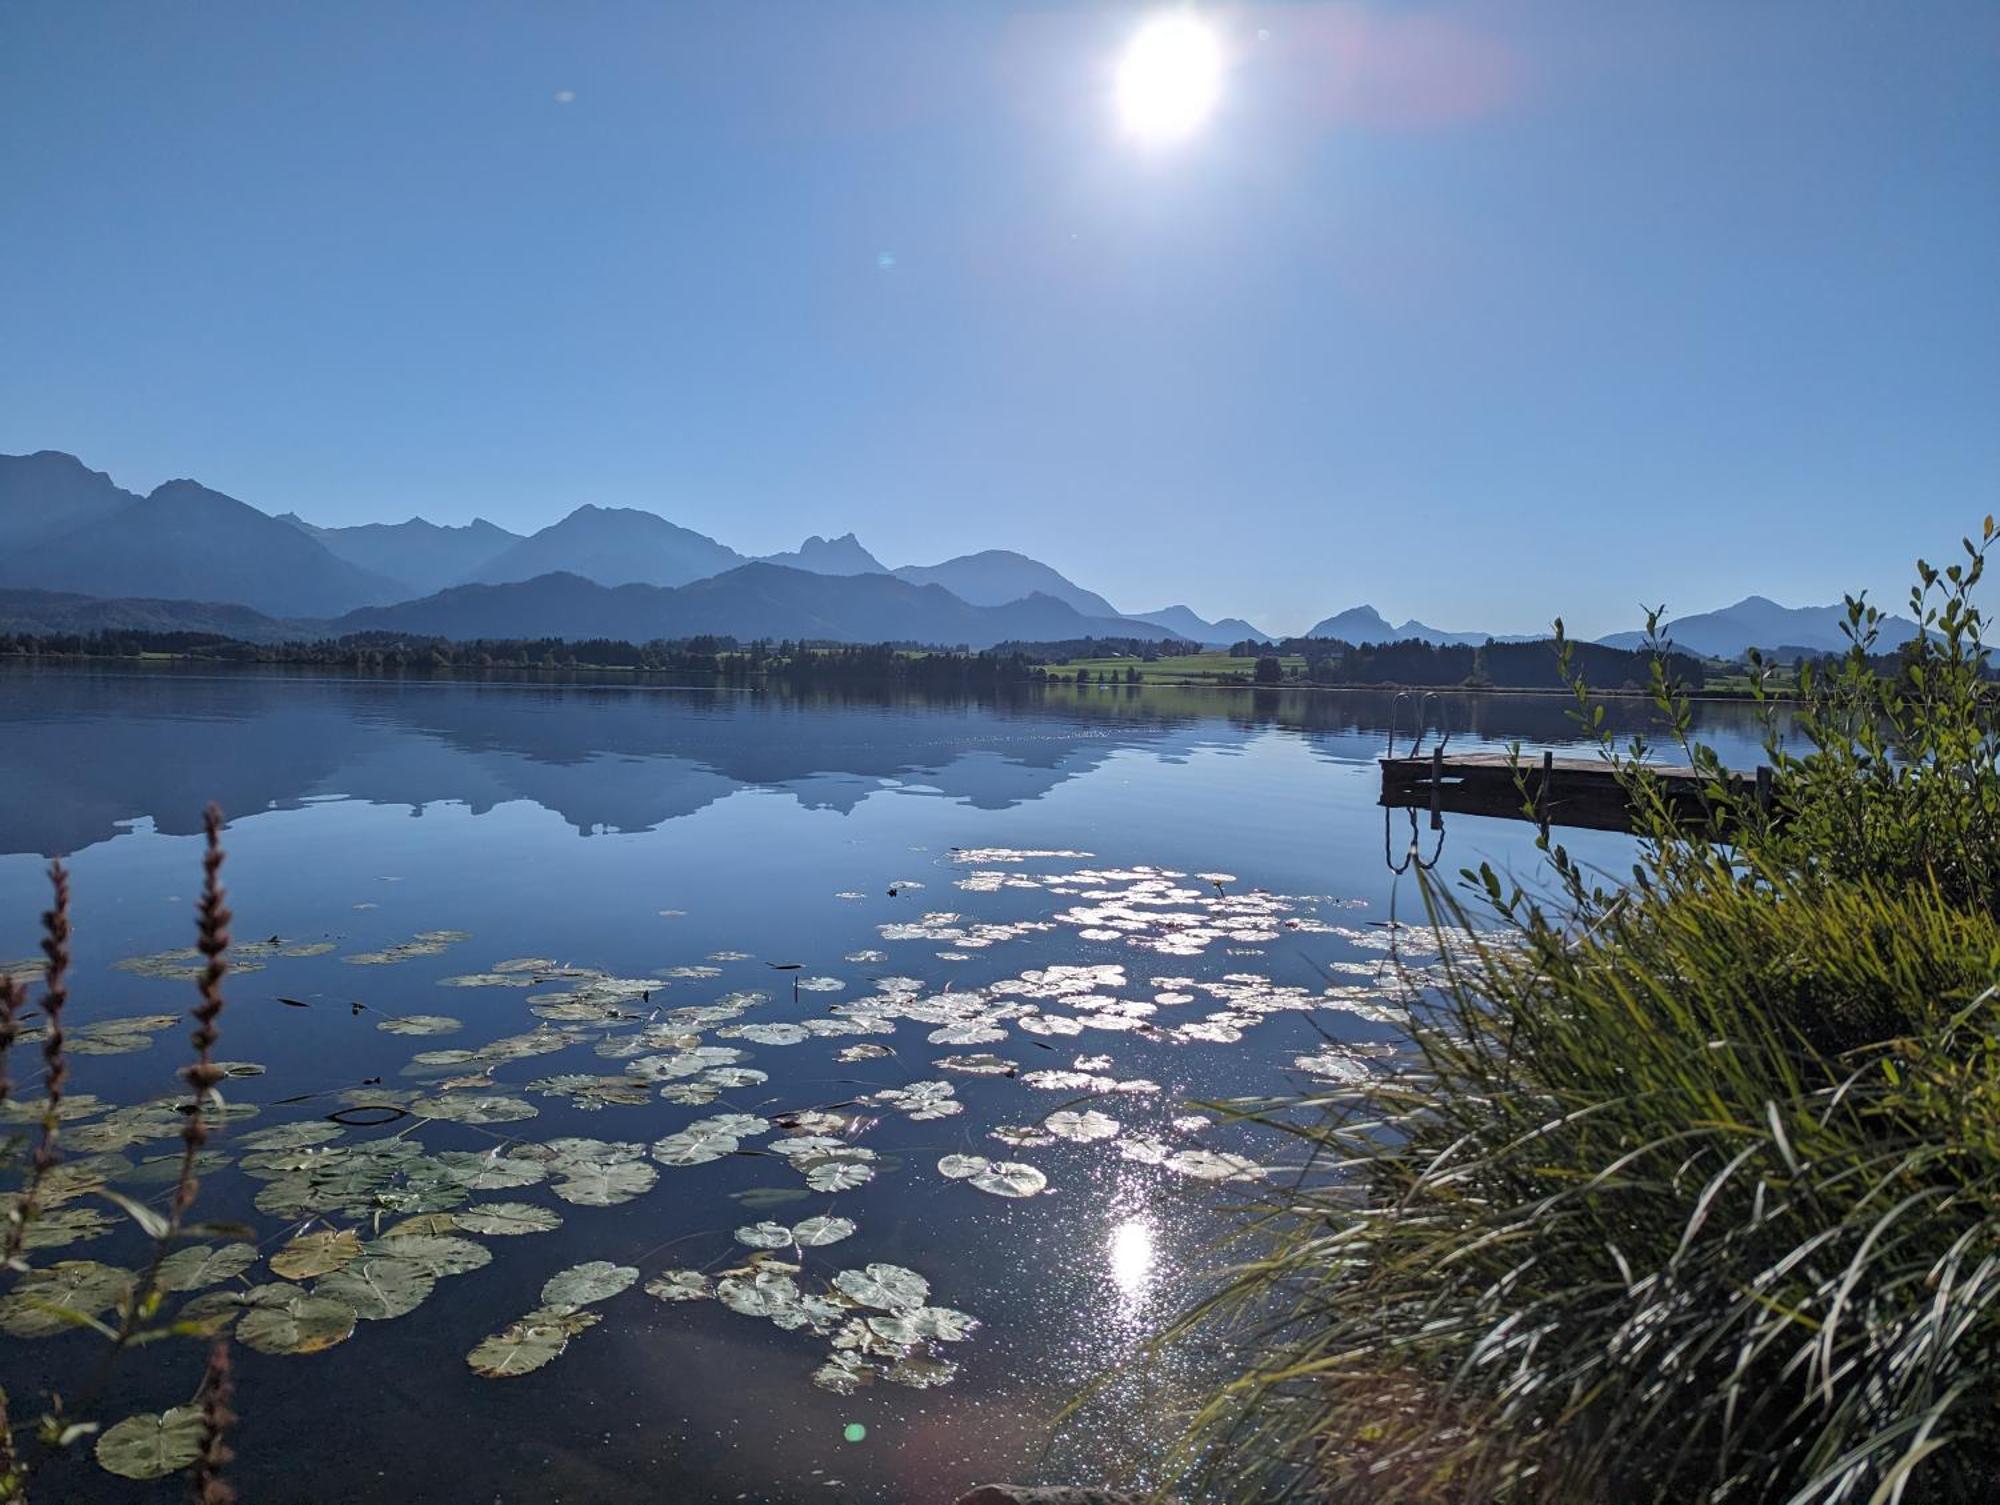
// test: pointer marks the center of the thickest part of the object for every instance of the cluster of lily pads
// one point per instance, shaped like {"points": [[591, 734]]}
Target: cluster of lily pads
{"points": [[374, 1223]]}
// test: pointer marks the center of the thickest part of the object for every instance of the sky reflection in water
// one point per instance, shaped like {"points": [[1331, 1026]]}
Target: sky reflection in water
{"points": [[367, 811]]}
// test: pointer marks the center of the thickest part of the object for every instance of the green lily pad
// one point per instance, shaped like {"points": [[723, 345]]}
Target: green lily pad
{"points": [[478, 1170], [290, 1136], [998, 1178], [45, 1299], [528, 1343], [151, 1446], [199, 1265], [942, 1324], [1213, 1165], [1081, 1127], [603, 1184], [765, 1236], [314, 1254], [982, 1064], [814, 1232], [506, 1218], [680, 1285], [581, 1285], [298, 1322], [425, 943], [474, 1108], [889, 1288], [379, 1289], [421, 1024], [768, 1293], [838, 1170], [434, 1254], [65, 1225]]}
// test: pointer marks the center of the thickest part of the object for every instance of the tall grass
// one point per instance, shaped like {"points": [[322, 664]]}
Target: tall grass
{"points": [[64, 1424], [1688, 1189]]}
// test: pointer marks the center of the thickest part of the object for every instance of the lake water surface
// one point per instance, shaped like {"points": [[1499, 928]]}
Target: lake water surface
{"points": [[628, 868]]}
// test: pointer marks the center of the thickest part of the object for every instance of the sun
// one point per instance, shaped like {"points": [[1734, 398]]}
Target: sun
{"points": [[1169, 78]]}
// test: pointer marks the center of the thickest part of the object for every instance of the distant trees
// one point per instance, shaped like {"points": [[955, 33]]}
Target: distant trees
{"points": [[1269, 671], [1514, 666]]}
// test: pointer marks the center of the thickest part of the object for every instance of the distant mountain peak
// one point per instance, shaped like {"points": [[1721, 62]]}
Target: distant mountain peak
{"points": [[994, 577], [1362, 625], [830, 556], [1759, 622], [613, 546], [1185, 622]]}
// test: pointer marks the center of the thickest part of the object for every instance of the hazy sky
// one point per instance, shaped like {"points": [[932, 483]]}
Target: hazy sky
{"points": [[1476, 312]]}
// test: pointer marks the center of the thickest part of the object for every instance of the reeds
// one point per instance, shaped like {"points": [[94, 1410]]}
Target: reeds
{"points": [[218, 1389], [138, 1312], [212, 940], [1689, 1190], [13, 997], [55, 1064]]}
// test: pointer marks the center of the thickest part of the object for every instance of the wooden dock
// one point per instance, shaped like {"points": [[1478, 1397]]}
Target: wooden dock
{"points": [[1558, 791]]}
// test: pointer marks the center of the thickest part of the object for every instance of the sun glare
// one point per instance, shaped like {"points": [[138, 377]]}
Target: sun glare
{"points": [[1169, 78]]}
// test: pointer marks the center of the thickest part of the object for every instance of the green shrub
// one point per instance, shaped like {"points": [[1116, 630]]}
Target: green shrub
{"points": [[1688, 1189]]}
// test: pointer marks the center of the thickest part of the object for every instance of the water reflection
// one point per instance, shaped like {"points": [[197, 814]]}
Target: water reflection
{"points": [[84, 753], [1130, 1255]]}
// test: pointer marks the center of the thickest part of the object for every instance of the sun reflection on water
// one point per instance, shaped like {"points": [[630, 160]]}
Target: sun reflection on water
{"points": [[1131, 1255]]}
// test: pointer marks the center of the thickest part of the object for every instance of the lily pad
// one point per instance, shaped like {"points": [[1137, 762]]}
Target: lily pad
{"points": [[942, 1324], [291, 1135], [765, 1236], [680, 1285], [506, 1218], [694, 1146], [815, 1232], [65, 1225], [528, 1343], [984, 1063], [379, 1289], [43, 1301], [1213, 1165], [581, 1285], [768, 1293], [298, 1322], [421, 1024], [1081, 1127], [151, 1446], [199, 1265], [606, 1184], [474, 1108], [433, 1253], [838, 1170], [1009, 1178], [314, 1254], [480, 1170], [889, 1288]]}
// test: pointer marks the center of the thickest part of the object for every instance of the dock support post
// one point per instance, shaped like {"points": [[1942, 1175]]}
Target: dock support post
{"points": [[1437, 787]]}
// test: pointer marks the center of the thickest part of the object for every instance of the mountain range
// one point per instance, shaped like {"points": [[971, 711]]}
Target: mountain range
{"points": [[1758, 622], [1363, 625], [190, 557]]}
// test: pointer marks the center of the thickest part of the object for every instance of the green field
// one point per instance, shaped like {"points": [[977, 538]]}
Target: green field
{"points": [[1182, 669]]}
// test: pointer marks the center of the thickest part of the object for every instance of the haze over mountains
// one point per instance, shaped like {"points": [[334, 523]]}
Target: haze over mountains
{"points": [[79, 553]]}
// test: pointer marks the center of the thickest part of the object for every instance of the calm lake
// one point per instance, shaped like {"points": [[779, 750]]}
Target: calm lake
{"points": [[540, 927]]}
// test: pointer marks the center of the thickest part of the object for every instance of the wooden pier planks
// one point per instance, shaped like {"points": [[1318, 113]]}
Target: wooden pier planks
{"points": [[1581, 792]]}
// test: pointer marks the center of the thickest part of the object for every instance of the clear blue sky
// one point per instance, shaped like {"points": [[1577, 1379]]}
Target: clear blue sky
{"points": [[1476, 312]]}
